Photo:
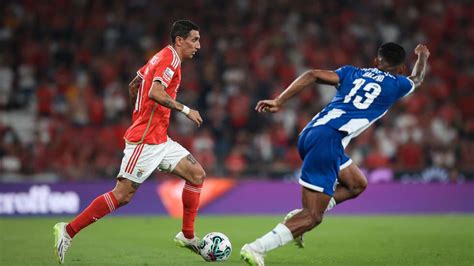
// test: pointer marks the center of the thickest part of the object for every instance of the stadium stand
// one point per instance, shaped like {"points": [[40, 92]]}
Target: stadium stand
{"points": [[65, 67]]}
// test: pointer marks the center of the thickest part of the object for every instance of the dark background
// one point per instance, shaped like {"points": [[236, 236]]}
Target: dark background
{"points": [[65, 66]]}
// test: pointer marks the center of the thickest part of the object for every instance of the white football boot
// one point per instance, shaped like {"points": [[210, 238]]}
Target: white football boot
{"points": [[62, 241], [251, 256], [192, 244]]}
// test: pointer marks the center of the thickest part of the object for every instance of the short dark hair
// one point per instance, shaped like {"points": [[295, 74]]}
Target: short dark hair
{"points": [[182, 28], [392, 53]]}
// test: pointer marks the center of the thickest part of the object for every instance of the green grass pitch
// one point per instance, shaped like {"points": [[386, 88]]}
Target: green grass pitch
{"points": [[339, 240]]}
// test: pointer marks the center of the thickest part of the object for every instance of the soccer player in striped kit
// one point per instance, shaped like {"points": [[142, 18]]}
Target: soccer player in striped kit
{"points": [[328, 175], [147, 145]]}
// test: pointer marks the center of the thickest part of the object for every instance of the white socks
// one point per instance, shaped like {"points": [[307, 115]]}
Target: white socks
{"points": [[278, 237], [331, 205]]}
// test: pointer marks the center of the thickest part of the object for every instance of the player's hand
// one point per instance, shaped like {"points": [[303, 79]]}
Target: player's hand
{"points": [[195, 117], [422, 50], [270, 106]]}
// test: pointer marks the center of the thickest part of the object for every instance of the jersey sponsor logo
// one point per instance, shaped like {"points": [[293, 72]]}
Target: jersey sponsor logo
{"points": [[168, 74]]}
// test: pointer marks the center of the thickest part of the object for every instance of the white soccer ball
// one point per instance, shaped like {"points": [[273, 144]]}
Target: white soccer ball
{"points": [[215, 246]]}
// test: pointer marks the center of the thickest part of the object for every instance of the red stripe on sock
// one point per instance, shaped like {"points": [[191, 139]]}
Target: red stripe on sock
{"points": [[109, 202], [193, 189]]}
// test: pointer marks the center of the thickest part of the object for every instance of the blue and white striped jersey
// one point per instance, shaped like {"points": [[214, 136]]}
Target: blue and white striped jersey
{"points": [[363, 96]]}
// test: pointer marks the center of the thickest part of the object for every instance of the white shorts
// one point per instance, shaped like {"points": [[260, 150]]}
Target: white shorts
{"points": [[139, 161]]}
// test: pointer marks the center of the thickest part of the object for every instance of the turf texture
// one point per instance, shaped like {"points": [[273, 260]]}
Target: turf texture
{"points": [[339, 240]]}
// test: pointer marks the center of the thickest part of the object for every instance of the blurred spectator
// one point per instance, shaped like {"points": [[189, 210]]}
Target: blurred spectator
{"points": [[65, 66]]}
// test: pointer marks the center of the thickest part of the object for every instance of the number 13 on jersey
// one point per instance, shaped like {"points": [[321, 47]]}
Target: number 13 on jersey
{"points": [[372, 91]]}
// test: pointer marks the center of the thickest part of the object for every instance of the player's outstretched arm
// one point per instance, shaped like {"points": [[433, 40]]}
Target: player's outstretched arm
{"points": [[159, 95], [419, 70], [133, 88], [305, 79]]}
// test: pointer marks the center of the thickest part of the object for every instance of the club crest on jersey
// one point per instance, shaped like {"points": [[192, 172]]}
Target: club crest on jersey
{"points": [[168, 74]]}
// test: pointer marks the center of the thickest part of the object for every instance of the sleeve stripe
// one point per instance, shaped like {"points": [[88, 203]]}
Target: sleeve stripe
{"points": [[174, 64], [176, 60], [412, 87], [161, 81], [139, 74], [173, 61]]}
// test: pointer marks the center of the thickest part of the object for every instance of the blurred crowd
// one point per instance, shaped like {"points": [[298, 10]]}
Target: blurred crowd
{"points": [[65, 67]]}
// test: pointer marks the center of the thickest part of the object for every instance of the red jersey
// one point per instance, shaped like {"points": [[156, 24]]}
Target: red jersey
{"points": [[150, 120]]}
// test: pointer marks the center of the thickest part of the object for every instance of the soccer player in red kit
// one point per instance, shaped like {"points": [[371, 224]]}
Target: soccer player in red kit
{"points": [[147, 145]]}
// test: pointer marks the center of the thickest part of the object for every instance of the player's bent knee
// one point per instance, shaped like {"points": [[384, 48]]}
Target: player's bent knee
{"points": [[316, 220], [359, 187], [123, 198], [124, 201], [363, 185], [124, 190], [198, 177]]}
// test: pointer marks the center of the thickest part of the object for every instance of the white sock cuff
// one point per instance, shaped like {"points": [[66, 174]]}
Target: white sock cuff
{"points": [[284, 233]]}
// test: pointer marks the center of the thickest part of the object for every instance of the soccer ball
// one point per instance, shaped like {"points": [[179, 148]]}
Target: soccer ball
{"points": [[215, 246]]}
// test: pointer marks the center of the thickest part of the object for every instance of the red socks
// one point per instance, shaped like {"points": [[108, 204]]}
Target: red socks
{"points": [[107, 203], [190, 198], [101, 206]]}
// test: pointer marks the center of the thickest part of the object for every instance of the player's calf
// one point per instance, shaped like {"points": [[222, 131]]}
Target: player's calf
{"points": [[299, 242], [310, 220]]}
